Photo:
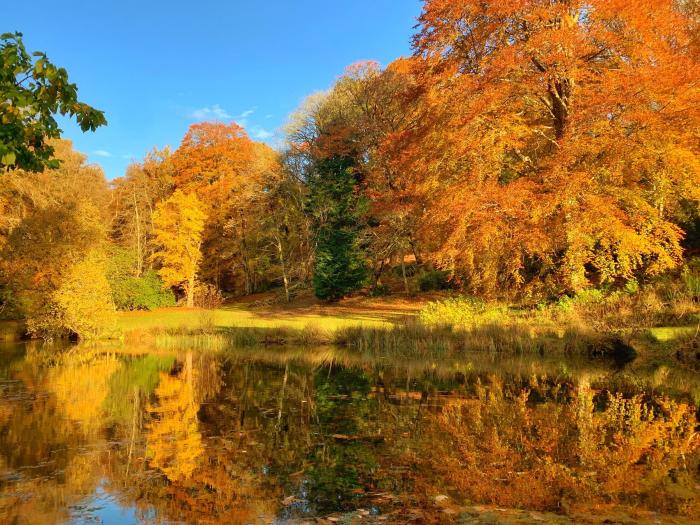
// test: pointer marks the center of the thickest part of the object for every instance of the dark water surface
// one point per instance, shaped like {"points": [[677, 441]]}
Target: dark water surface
{"points": [[122, 436]]}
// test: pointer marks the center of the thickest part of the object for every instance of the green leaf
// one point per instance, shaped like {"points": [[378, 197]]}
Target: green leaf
{"points": [[8, 159]]}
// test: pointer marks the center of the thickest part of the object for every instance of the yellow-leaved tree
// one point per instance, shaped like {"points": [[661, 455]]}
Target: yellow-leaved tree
{"points": [[84, 299], [178, 224]]}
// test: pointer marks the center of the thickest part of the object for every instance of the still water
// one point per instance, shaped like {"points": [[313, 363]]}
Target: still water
{"points": [[134, 435]]}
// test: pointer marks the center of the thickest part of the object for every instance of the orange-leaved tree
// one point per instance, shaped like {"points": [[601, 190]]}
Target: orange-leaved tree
{"points": [[232, 175], [558, 140]]}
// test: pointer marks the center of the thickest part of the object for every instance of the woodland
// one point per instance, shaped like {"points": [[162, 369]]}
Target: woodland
{"points": [[527, 153]]}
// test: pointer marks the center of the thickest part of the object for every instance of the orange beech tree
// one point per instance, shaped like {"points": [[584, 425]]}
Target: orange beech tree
{"points": [[212, 159], [557, 140]]}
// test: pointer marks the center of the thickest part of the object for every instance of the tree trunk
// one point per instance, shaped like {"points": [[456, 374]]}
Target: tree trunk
{"points": [[190, 292], [403, 272], [414, 248], [378, 274], [247, 273], [280, 253], [139, 252]]}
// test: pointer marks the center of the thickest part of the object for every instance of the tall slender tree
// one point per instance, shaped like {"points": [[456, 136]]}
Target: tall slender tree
{"points": [[179, 223]]}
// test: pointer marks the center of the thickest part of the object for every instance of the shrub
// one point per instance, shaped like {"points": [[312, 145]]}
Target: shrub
{"points": [[135, 293], [150, 293], [663, 303], [631, 287], [583, 298], [141, 293], [207, 296], [434, 280], [460, 311], [691, 280], [81, 305], [381, 290]]}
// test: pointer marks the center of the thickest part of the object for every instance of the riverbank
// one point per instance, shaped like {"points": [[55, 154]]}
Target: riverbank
{"points": [[436, 325], [394, 327]]}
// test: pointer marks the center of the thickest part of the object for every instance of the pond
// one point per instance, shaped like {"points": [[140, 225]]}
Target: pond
{"points": [[322, 435]]}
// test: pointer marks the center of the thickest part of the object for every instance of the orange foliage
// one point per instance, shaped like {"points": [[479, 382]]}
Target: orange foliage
{"points": [[511, 452], [212, 159], [556, 139], [231, 175]]}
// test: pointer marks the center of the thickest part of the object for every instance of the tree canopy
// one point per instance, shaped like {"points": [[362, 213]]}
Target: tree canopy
{"points": [[525, 150], [32, 91]]}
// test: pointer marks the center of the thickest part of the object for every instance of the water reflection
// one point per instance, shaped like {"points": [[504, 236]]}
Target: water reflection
{"points": [[262, 436]]}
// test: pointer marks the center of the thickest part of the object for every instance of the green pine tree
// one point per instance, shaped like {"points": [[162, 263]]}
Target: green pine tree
{"points": [[338, 210]]}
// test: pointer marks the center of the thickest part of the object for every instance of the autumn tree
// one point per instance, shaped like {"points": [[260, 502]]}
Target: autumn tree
{"points": [[84, 299], [289, 230], [324, 153], [50, 222], [75, 181], [232, 175], [386, 108], [134, 200], [178, 226], [557, 140], [32, 91]]}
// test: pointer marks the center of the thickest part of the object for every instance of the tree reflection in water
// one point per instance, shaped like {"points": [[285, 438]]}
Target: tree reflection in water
{"points": [[226, 437]]}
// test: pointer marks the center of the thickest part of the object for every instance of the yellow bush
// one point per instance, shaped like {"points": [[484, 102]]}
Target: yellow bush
{"points": [[85, 299]]}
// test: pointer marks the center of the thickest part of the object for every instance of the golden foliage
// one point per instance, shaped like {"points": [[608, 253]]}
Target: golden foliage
{"points": [[85, 299], [178, 225]]}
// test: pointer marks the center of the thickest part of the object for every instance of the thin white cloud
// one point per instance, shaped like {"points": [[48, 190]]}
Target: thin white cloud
{"points": [[262, 134], [242, 119], [215, 112], [101, 153]]}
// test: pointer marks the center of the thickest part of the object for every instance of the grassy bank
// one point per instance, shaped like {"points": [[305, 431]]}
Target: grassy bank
{"points": [[617, 326], [246, 315], [439, 326]]}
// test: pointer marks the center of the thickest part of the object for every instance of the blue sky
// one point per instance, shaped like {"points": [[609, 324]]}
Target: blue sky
{"points": [[157, 66]]}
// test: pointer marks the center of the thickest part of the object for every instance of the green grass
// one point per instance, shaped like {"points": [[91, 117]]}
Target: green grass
{"points": [[241, 317]]}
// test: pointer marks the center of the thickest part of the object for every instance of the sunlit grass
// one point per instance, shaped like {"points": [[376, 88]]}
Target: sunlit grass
{"points": [[665, 334], [241, 317]]}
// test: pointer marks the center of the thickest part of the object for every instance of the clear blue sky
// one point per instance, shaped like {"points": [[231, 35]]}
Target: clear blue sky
{"points": [[156, 66]]}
